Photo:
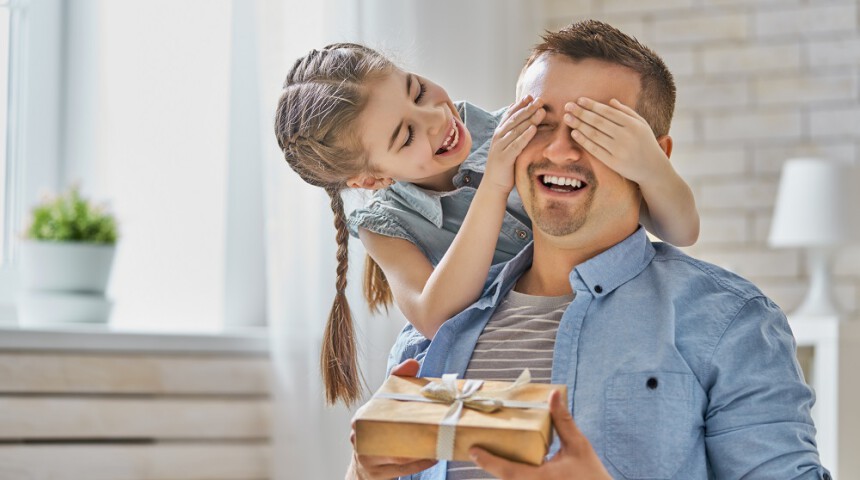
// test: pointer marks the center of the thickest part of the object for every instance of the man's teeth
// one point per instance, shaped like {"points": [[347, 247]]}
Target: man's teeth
{"points": [[553, 180]]}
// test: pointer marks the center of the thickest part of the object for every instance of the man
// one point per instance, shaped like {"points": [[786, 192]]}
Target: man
{"points": [[675, 368]]}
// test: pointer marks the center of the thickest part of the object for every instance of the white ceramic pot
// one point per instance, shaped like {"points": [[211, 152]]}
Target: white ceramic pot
{"points": [[37, 308], [66, 266]]}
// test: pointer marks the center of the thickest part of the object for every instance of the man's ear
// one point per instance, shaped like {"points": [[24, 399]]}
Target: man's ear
{"points": [[666, 143], [369, 182]]}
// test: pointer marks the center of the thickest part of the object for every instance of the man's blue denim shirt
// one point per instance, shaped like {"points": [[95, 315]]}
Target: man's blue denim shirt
{"points": [[675, 368]]}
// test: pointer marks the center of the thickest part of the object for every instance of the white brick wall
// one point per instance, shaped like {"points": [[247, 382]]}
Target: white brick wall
{"points": [[769, 160], [696, 164], [701, 28], [640, 7], [806, 21], [848, 262], [759, 81], [734, 125], [681, 61], [725, 93], [822, 89], [724, 230], [751, 58], [837, 121], [841, 51], [740, 194]]}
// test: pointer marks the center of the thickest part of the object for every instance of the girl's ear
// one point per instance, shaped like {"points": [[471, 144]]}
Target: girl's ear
{"points": [[368, 182]]}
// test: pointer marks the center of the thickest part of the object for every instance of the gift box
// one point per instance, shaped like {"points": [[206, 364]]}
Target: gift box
{"points": [[443, 418]]}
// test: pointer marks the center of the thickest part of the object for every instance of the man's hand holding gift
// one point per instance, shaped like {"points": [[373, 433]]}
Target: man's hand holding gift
{"points": [[365, 467], [575, 459]]}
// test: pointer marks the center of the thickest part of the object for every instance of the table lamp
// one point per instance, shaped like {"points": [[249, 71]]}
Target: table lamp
{"points": [[817, 209]]}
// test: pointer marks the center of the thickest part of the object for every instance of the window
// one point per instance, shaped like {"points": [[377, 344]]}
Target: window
{"points": [[150, 129], [5, 24], [12, 86], [138, 108]]}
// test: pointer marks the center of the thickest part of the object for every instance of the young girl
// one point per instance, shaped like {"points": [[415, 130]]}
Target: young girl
{"points": [[444, 210]]}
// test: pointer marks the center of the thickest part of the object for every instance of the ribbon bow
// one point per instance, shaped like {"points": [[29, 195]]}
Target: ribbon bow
{"points": [[447, 392]]}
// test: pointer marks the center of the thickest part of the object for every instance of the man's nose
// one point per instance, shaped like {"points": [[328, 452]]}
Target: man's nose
{"points": [[562, 147]]}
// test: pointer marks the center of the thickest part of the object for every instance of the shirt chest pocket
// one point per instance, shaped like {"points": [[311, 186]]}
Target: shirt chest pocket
{"points": [[650, 423]]}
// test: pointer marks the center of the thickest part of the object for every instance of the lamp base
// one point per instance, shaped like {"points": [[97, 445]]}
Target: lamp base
{"points": [[819, 298]]}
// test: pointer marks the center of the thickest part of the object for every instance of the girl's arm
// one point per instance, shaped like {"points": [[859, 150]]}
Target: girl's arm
{"points": [[619, 137], [427, 296], [669, 210]]}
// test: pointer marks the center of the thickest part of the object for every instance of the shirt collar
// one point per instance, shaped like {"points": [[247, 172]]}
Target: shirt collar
{"points": [[477, 159], [428, 203], [608, 270], [601, 275], [605, 272], [482, 125], [505, 275]]}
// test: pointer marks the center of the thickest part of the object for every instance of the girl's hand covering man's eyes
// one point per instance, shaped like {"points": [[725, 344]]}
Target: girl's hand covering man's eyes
{"points": [[617, 136], [516, 129]]}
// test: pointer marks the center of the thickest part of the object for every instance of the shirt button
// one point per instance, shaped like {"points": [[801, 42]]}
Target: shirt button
{"points": [[467, 179], [598, 289], [522, 234], [651, 383]]}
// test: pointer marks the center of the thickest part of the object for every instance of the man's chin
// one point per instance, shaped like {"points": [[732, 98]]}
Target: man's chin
{"points": [[558, 225]]}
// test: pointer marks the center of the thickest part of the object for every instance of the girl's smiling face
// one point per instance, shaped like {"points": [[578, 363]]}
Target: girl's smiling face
{"points": [[412, 132]]}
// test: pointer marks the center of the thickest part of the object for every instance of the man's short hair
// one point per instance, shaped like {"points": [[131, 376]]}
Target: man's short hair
{"points": [[598, 40]]}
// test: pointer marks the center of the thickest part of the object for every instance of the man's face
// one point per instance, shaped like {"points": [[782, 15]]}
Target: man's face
{"points": [[604, 198]]}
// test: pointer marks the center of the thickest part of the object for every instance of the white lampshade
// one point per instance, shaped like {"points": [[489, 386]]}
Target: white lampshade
{"points": [[817, 204]]}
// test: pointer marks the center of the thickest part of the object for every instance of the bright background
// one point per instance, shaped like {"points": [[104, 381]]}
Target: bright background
{"points": [[163, 110]]}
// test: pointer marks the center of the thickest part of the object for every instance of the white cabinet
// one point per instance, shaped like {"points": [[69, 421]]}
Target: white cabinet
{"points": [[832, 348], [108, 406]]}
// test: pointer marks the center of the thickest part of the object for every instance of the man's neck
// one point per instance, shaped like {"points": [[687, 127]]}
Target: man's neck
{"points": [[555, 258]]}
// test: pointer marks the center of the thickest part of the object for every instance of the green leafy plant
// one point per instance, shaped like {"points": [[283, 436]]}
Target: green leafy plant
{"points": [[71, 218]]}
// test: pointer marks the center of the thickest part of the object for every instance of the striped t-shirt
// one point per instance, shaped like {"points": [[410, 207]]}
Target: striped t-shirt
{"points": [[520, 334]]}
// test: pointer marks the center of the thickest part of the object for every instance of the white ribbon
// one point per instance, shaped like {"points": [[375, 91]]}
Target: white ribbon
{"points": [[446, 392]]}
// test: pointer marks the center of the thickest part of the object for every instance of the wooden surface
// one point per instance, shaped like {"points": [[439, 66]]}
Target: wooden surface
{"points": [[133, 374], [73, 418], [123, 416], [134, 462]]}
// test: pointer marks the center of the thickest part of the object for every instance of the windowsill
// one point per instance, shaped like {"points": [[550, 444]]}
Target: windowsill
{"points": [[251, 340]]}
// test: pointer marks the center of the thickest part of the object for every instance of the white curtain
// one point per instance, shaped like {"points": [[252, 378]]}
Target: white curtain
{"points": [[479, 61]]}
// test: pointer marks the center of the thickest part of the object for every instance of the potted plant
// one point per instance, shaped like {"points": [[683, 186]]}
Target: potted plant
{"points": [[66, 259]]}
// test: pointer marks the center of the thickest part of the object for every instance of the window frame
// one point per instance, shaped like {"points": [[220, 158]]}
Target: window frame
{"points": [[35, 125], [16, 81], [43, 44]]}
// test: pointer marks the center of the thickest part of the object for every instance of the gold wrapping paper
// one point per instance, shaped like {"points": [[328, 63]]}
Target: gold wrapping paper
{"points": [[386, 427]]}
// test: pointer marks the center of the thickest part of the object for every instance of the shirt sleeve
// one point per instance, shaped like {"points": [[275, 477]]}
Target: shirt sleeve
{"points": [[758, 423], [409, 344], [375, 219]]}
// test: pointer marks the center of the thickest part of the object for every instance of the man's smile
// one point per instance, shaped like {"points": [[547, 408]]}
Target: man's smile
{"points": [[561, 184], [570, 182]]}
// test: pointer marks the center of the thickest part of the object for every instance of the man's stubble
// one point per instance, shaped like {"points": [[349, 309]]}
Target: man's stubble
{"points": [[556, 218]]}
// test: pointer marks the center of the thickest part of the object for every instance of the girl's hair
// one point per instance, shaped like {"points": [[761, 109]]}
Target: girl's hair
{"points": [[324, 93]]}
